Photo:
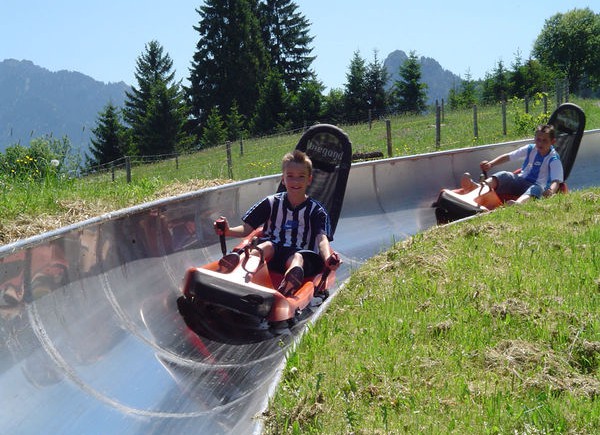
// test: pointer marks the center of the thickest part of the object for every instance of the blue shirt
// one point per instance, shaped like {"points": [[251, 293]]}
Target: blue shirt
{"points": [[538, 169]]}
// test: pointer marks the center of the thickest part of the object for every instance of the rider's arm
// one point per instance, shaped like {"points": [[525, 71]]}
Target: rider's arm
{"points": [[486, 166], [327, 253], [238, 231]]}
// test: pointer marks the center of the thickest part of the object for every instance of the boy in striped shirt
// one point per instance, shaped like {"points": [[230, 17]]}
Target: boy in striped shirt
{"points": [[296, 228]]}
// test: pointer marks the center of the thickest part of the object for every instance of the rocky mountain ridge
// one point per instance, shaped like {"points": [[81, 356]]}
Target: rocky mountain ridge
{"points": [[36, 102]]}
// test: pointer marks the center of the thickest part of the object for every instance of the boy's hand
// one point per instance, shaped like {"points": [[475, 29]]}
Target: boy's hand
{"points": [[334, 261], [221, 226]]}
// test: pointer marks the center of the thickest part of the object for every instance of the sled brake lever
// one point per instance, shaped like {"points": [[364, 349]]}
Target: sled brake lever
{"points": [[220, 224], [482, 178]]}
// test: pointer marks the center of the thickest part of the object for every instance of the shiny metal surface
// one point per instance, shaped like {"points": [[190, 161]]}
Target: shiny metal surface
{"points": [[90, 337]]}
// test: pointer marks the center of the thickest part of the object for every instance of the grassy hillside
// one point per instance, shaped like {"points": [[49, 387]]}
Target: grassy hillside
{"points": [[486, 326]]}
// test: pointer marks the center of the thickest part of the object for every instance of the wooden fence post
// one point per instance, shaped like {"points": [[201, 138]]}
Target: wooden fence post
{"points": [[388, 128], [438, 125], [229, 161], [128, 168], [504, 117], [475, 126], [443, 111]]}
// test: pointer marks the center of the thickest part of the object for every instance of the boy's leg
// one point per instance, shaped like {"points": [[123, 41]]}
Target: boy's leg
{"points": [[267, 249], [533, 191], [294, 276], [230, 261], [520, 200], [505, 183]]}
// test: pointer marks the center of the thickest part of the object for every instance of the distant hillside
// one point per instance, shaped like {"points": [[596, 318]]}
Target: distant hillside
{"points": [[37, 102], [439, 81]]}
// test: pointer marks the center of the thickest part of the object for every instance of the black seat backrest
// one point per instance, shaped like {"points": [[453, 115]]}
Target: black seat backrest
{"points": [[330, 150], [569, 124]]}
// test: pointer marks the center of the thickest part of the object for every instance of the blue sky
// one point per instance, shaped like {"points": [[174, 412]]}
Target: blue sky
{"points": [[103, 39]]}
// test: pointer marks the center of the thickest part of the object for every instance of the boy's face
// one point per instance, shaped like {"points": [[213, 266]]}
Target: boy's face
{"points": [[543, 142], [295, 178]]}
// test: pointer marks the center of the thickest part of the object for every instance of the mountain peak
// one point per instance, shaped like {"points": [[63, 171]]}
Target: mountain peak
{"points": [[39, 102], [438, 80]]}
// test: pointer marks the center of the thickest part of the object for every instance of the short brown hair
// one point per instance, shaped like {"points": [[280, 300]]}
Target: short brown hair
{"points": [[299, 157], [547, 129]]}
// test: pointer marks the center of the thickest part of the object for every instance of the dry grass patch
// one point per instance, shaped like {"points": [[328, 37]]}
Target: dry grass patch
{"points": [[76, 210], [541, 368]]}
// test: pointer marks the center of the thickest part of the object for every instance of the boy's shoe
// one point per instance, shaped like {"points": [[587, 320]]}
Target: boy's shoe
{"points": [[229, 262], [292, 281], [12, 296]]}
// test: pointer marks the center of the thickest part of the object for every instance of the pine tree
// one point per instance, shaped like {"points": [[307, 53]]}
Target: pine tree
{"points": [[155, 110], [376, 77], [496, 86], [271, 108], [107, 145], [235, 123], [517, 79], [355, 93], [286, 36], [306, 104], [465, 97], [162, 125], [214, 132], [333, 107], [410, 93], [230, 62]]}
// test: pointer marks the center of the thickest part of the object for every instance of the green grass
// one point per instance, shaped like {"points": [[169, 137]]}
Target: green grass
{"points": [[487, 326]]}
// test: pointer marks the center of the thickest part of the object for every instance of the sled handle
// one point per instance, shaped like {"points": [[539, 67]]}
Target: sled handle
{"points": [[220, 224], [482, 178]]}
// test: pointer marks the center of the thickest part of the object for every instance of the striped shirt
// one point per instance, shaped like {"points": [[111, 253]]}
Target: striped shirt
{"points": [[538, 169], [287, 226]]}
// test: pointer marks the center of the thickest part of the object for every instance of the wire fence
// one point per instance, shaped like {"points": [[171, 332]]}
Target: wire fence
{"points": [[378, 136]]}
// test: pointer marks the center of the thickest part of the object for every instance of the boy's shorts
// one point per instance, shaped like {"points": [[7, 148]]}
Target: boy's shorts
{"points": [[313, 263], [510, 183]]}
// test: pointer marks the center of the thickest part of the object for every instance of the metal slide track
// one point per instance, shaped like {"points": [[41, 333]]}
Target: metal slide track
{"points": [[96, 345]]}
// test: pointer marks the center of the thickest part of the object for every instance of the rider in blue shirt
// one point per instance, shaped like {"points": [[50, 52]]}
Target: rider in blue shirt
{"points": [[541, 173]]}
